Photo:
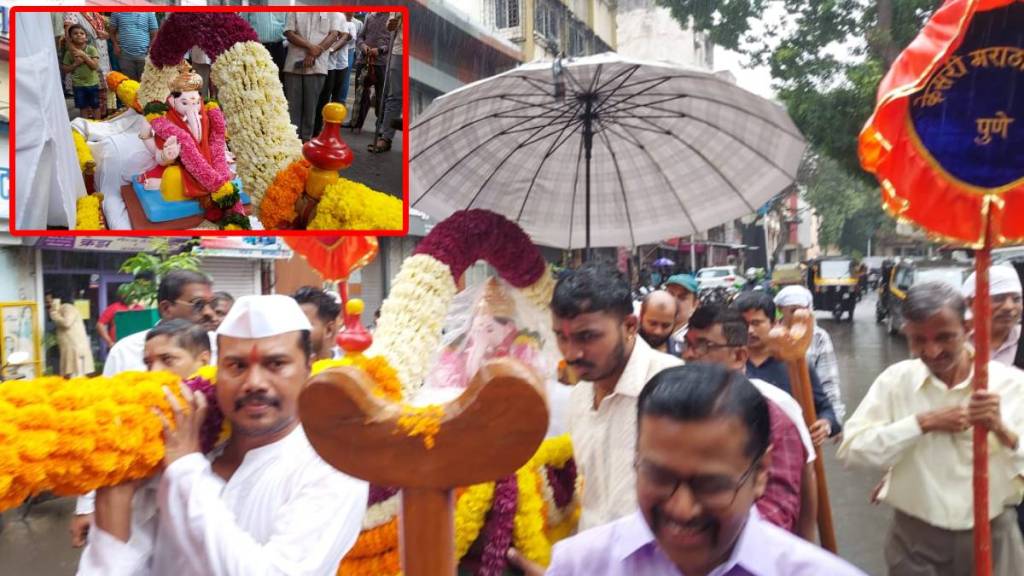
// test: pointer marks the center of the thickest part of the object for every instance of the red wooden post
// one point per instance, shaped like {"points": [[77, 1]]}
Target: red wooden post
{"points": [[982, 334]]}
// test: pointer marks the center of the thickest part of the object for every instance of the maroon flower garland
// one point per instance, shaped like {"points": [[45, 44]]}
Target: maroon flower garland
{"points": [[498, 531], [213, 32], [379, 494], [214, 423], [470, 235], [562, 482]]}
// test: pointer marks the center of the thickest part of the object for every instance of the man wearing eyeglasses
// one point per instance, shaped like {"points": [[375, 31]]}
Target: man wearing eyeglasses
{"points": [[702, 459], [719, 335], [182, 294]]}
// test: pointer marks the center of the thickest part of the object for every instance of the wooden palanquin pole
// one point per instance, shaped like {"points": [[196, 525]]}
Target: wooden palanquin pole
{"points": [[488, 432], [982, 344], [790, 343]]}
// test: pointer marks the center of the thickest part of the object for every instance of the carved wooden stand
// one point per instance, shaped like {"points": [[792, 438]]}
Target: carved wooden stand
{"points": [[488, 432]]}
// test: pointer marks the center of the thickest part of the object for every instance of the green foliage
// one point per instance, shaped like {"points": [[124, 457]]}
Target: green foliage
{"points": [[850, 209], [149, 267]]}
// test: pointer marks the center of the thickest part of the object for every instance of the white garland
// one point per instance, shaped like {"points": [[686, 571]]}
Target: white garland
{"points": [[155, 83], [540, 292], [262, 137], [556, 515], [412, 319], [382, 512]]}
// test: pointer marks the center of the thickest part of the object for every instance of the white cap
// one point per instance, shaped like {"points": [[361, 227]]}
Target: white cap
{"points": [[263, 316], [1002, 279], [794, 295]]}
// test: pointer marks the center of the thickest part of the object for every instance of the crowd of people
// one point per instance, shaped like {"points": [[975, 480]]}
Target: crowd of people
{"points": [[696, 457], [320, 55]]}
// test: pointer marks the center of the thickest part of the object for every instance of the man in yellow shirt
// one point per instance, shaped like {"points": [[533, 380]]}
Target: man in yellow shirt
{"points": [[916, 422]]}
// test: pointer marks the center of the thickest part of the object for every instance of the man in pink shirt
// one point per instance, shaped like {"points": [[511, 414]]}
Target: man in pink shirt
{"points": [[702, 460]]}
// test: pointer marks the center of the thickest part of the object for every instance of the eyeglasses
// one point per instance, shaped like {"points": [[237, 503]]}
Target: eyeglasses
{"points": [[198, 304], [712, 492], [702, 347]]}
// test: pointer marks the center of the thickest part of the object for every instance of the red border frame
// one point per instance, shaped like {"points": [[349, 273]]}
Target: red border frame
{"points": [[193, 233]]}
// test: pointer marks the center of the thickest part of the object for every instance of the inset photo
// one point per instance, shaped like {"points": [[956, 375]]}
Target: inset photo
{"points": [[202, 120]]}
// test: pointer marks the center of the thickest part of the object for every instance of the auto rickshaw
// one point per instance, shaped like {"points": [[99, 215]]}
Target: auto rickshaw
{"points": [[836, 285], [908, 273]]}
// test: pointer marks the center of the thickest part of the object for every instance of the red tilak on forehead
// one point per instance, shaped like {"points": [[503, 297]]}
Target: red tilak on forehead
{"points": [[563, 327], [254, 355]]}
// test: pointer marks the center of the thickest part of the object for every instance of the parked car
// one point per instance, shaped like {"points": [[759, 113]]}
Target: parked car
{"points": [[719, 276], [905, 275]]}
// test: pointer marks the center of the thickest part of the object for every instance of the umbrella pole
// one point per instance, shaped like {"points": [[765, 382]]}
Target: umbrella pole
{"points": [[588, 145], [982, 334]]}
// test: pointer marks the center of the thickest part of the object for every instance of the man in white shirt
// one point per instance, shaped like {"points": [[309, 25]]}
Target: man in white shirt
{"points": [[323, 313], [182, 294], [597, 335], [1005, 291], [266, 503], [916, 422], [310, 35]]}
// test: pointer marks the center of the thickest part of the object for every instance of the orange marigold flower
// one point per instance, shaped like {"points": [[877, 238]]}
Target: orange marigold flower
{"points": [[277, 210]]}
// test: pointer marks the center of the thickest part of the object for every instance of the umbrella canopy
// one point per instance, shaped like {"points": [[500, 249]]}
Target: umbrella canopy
{"points": [[663, 262], [664, 151]]}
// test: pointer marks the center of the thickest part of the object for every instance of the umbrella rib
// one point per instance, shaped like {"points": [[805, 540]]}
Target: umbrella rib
{"points": [[738, 108], [464, 126], [431, 117], [622, 185], [767, 160], [710, 164], [566, 125], [661, 172], [559, 141], [520, 146], [575, 187]]}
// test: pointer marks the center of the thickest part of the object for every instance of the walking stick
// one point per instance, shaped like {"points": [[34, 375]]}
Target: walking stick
{"points": [[982, 334], [790, 343], [385, 86]]}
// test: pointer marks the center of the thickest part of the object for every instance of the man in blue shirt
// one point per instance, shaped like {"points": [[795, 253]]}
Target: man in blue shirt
{"points": [[132, 33], [758, 310]]}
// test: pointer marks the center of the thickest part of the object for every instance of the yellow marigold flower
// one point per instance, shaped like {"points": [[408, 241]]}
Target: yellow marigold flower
{"points": [[348, 205], [73, 436], [86, 162], [424, 421], [87, 213]]}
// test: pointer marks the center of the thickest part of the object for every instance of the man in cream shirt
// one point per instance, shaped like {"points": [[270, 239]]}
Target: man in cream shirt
{"points": [[263, 504], [916, 421], [597, 335]]}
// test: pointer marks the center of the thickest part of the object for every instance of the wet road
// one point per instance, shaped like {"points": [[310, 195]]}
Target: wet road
{"points": [[40, 545], [864, 349]]}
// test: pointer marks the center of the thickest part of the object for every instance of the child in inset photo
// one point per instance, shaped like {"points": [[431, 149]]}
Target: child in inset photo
{"points": [[81, 60]]}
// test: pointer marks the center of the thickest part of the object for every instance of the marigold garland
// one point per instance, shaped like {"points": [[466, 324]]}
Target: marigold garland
{"points": [[74, 436], [86, 162], [375, 542], [384, 565], [528, 532], [87, 212], [470, 514], [277, 211], [348, 205], [424, 421], [376, 367]]}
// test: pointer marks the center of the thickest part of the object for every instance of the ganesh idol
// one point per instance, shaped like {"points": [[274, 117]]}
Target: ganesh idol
{"points": [[189, 146]]}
